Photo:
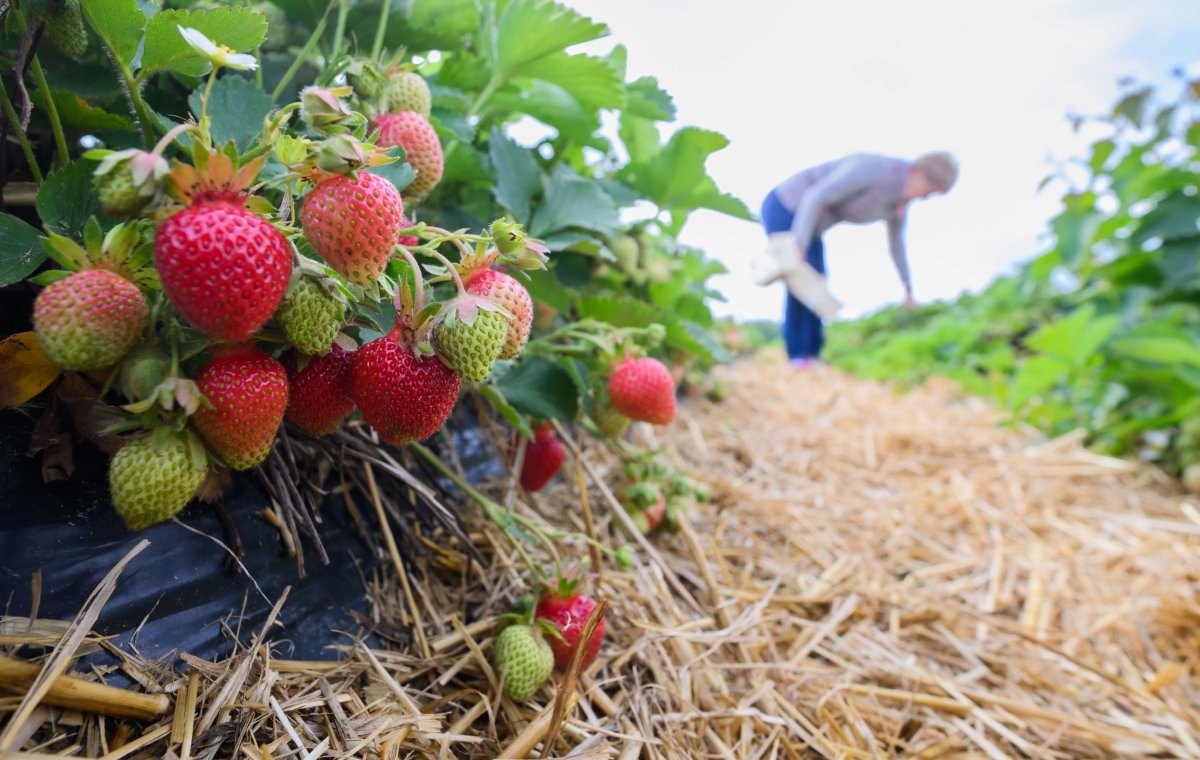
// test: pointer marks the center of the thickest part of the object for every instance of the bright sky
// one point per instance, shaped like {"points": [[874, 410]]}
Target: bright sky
{"points": [[796, 82]]}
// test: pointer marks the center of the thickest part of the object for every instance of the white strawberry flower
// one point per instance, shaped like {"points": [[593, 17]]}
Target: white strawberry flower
{"points": [[217, 53]]}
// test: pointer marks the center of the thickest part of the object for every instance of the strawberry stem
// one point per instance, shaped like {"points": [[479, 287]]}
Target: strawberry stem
{"points": [[15, 124], [418, 282], [381, 30], [503, 518], [170, 136], [453, 270]]}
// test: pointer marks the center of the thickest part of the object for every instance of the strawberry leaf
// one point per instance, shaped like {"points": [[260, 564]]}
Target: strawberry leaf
{"points": [[21, 250], [540, 388]]}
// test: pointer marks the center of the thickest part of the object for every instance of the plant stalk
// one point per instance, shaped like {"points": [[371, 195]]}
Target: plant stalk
{"points": [[11, 113]]}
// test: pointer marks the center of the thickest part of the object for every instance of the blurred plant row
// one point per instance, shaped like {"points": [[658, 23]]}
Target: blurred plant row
{"points": [[1102, 331]]}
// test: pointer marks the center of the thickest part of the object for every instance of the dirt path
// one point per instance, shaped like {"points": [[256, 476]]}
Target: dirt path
{"points": [[899, 575]]}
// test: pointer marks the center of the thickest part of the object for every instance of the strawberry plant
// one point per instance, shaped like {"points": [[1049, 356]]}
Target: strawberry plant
{"points": [[318, 212]]}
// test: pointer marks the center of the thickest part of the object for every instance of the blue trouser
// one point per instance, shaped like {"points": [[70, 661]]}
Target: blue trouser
{"points": [[803, 333]]}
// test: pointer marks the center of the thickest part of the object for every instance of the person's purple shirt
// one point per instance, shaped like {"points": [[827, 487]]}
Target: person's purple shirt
{"points": [[859, 189]]}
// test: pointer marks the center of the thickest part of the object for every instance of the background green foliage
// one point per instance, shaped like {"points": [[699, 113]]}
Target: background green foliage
{"points": [[490, 65], [1101, 332]]}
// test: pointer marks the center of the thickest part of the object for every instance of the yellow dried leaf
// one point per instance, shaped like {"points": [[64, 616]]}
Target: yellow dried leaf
{"points": [[24, 370]]}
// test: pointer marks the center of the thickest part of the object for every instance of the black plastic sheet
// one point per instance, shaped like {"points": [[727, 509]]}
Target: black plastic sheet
{"points": [[175, 594]]}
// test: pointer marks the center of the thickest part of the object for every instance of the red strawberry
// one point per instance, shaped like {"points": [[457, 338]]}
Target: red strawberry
{"points": [[512, 295], [248, 391], [409, 240], [420, 142], [543, 457], [642, 389], [655, 513], [403, 397], [224, 267], [352, 223], [569, 610], [319, 395]]}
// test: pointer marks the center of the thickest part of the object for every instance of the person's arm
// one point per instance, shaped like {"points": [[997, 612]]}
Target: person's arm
{"points": [[851, 175], [900, 255]]}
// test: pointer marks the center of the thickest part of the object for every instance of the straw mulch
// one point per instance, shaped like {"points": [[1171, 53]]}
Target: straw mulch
{"points": [[880, 575]]}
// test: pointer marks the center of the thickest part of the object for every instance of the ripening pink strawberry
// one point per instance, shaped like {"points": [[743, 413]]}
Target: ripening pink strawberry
{"points": [[353, 222], [505, 291]]}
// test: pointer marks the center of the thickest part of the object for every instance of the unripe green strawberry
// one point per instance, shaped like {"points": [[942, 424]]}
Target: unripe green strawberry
{"points": [[612, 424], [311, 317], [523, 660], [408, 91], [470, 337], [366, 79], [65, 29], [151, 481], [512, 295], [90, 319], [128, 180], [627, 251]]}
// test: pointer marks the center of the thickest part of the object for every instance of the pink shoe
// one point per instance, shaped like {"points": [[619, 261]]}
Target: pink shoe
{"points": [[804, 364]]}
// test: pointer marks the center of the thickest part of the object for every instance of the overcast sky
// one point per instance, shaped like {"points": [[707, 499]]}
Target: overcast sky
{"points": [[794, 82]]}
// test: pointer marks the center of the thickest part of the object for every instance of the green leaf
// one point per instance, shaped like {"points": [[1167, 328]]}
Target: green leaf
{"points": [[692, 339], [449, 123], [65, 201], [544, 286], [644, 98], [530, 29], [1076, 337], [675, 178], [518, 176], [541, 388], [692, 308], [237, 108], [1176, 216], [549, 104], [21, 250], [239, 29], [119, 24], [1037, 375], [620, 311], [77, 113], [1161, 349], [399, 173], [506, 410], [573, 201], [592, 81]]}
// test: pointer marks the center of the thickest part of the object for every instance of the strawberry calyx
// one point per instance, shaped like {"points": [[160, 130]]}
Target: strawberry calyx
{"points": [[120, 251], [323, 109], [213, 178], [515, 247], [465, 308]]}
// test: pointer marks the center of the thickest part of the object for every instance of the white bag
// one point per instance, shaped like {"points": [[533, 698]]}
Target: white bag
{"points": [[781, 260]]}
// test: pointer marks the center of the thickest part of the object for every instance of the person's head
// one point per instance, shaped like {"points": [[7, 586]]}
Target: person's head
{"points": [[930, 174]]}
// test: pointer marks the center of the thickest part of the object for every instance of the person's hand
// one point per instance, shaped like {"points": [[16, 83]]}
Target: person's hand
{"points": [[909, 301]]}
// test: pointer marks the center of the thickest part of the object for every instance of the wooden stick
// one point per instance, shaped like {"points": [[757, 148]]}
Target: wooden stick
{"points": [[588, 522], [566, 689], [65, 651], [85, 696], [523, 744]]}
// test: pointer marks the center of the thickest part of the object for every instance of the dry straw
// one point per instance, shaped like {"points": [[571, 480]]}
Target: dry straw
{"points": [[879, 576]]}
